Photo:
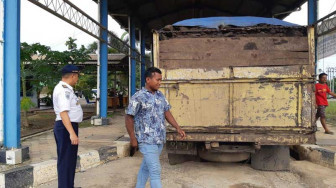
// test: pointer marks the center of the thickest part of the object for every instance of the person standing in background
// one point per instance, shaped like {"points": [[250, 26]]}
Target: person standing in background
{"points": [[321, 91], [68, 114]]}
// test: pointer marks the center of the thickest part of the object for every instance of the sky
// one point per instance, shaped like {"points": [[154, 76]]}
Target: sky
{"points": [[38, 25]]}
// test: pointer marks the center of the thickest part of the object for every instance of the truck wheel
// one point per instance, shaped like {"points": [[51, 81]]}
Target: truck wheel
{"points": [[271, 158], [180, 158]]}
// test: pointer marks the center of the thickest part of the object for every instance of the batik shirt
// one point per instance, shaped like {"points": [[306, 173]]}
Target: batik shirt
{"points": [[149, 110]]}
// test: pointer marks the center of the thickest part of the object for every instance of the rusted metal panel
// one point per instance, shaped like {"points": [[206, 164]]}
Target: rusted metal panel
{"points": [[239, 104], [194, 74], [307, 110], [265, 104], [272, 72], [199, 104], [262, 139], [238, 73], [244, 129]]}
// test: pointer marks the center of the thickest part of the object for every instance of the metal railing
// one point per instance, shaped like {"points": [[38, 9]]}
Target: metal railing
{"points": [[73, 15], [326, 25], [331, 71]]}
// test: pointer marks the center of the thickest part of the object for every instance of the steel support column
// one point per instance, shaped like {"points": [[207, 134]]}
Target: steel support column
{"points": [[103, 15], [132, 67], [12, 74], [312, 11], [312, 18], [143, 59]]}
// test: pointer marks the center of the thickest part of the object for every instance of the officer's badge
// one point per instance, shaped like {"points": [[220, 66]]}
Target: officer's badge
{"points": [[67, 94]]}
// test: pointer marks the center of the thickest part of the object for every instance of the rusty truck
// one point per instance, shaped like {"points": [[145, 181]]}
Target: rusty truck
{"points": [[240, 92]]}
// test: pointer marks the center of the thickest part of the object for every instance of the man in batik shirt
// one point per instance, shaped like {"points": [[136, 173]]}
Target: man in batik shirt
{"points": [[145, 122]]}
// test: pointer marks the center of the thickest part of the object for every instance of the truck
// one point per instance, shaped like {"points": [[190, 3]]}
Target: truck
{"points": [[241, 88]]}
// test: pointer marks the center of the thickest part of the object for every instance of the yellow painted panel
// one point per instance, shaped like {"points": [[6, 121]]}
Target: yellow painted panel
{"points": [[199, 104], [271, 72], [192, 74], [308, 116], [265, 104], [238, 72]]}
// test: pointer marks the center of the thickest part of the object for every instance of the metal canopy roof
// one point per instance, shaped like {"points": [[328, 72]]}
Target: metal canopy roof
{"points": [[155, 14]]}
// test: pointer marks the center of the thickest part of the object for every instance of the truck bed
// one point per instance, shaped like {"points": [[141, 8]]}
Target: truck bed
{"points": [[239, 84]]}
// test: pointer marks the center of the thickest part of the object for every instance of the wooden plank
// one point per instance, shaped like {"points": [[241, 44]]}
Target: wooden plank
{"points": [[223, 52], [238, 61], [156, 51], [294, 71], [234, 44]]}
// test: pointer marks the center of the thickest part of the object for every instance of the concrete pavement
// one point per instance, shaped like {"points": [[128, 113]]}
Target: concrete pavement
{"points": [[97, 145]]}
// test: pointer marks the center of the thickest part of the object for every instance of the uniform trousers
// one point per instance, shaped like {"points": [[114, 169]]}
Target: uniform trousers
{"points": [[66, 155]]}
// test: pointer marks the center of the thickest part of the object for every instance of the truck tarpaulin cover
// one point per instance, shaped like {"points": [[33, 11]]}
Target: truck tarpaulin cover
{"points": [[215, 22]]}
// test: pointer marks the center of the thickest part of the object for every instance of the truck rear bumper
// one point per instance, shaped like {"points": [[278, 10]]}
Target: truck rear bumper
{"points": [[260, 139]]}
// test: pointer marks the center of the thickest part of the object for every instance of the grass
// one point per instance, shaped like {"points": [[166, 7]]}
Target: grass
{"points": [[114, 113], [47, 120], [85, 123], [110, 114], [331, 113], [41, 120]]}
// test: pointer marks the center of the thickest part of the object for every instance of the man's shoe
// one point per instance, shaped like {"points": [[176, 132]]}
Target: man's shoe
{"points": [[329, 132]]}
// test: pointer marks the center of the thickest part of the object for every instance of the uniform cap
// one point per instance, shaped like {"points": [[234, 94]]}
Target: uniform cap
{"points": [[70, 69]]}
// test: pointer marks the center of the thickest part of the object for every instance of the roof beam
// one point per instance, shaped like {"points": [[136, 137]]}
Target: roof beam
{"points": [[201, 6], [239, 5], [268, 6]]}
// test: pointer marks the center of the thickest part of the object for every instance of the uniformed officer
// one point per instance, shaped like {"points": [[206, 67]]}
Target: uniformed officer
{"points": [[68, 114]]}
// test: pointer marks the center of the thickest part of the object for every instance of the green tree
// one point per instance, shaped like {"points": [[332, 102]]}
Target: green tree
{"points": [[31, 55], [41, 66], [71, 44], [92, 48]]}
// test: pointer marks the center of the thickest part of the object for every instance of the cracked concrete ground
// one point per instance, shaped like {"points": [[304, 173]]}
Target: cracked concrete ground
{"points": [[122, 174]]}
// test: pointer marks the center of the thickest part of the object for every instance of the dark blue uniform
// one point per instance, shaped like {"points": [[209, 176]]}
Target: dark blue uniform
{"points": [[66, 155], [65, 100]]}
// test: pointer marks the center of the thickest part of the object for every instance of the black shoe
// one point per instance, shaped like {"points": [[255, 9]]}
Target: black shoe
{"points": [[329, 132]]}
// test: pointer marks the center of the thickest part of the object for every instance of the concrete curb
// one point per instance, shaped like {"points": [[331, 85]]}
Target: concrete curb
{"points": [[14, 156], [44, 172], [40, 173], [315, 154]]}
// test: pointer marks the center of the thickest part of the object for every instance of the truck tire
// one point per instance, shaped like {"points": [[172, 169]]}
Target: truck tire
{"points": [[180, 158], [271, 158]]}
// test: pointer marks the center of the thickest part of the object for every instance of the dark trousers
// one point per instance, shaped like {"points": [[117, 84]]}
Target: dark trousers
{"points": [[66, 155]]}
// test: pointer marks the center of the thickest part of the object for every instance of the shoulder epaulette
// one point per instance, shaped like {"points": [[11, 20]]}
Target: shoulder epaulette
{"points": [[64, 86]]}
